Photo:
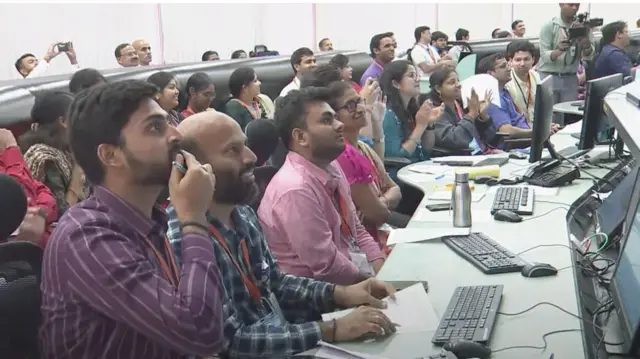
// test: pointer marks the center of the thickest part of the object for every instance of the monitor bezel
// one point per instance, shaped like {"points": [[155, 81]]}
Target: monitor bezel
{"points": [[540, 135], [593, 110]]}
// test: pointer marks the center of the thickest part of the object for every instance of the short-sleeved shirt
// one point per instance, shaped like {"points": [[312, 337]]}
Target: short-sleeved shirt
{"points": [[506, 114], [423, 53]]}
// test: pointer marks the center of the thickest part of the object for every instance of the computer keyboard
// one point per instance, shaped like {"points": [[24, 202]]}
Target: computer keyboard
{"points": [[484, 253], [516, 199], [492, 161], [551, 176], [471, 314]]}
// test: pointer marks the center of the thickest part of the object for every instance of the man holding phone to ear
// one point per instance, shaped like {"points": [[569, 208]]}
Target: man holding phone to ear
{"points": [[29, 66], [560, 55]]}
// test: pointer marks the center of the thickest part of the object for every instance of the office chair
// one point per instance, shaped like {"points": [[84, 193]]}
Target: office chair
{"points": [[20, 276]]}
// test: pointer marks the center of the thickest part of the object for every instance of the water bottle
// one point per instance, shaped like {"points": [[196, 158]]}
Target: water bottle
{"points": [[461, 201]]}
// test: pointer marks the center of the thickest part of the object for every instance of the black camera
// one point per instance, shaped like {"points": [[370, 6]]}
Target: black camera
{"points": [[582, 24], [587, 22], [65, 46]]}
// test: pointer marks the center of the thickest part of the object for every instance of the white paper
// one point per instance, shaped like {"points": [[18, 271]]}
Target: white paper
{"points": [[411, 310], [474, 159], [575, 127], [413, 235], [330, 351], [481, 83], [444, 219], [444, 195], [430, 169]]}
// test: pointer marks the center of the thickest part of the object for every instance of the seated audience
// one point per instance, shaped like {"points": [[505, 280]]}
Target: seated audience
{"points": [[244, 106], [267, 313], [143, 49], [505, 117], [42, 210], [47, 152], [408, 130], [13, 206], [522, 55], [168, 97], [302, 60], [239, 54], [110, 284], [518, 28], [425, 57], [494, 33], [613, 59], [504, 34], [457, 131], [456, 50], [84, 79], [210, 55], [439, 42], [307, 213], [342, 63], [321, 76], [325, 45], [200, 94], [126, 55], [382, 49], [373, 192], [29, 66]]}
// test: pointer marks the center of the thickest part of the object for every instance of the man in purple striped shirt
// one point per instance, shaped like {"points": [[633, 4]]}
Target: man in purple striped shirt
{"points": [[110, 286]]}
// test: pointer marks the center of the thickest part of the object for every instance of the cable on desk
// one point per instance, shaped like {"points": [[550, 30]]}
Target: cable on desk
{"points": [[544, 245], [544, 340], [544, 214], [586, 172]]}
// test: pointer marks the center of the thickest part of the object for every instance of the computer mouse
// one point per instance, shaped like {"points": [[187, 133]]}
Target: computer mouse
{"points": [[518, 155], [533, 270], [504, 215], [466, 349]]}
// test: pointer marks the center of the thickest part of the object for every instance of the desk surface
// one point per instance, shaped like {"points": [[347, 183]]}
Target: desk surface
{"points": [[444, 270], [569, 108]]}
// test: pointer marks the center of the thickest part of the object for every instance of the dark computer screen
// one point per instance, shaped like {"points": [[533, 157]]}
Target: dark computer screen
{"points": [[614, 208], [595, 120], [542, 116], [625, 284]]}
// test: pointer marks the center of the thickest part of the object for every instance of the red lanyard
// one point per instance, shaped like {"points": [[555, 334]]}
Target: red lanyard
{"points": [[377, 64], [459, 111], [528, 99], [249, 281], [430, 52], [170, 272], [343, 209], [254, 110]]}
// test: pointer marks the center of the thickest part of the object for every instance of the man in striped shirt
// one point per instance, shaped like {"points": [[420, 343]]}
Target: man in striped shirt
{"points": [[110, 285], [267, 313]]}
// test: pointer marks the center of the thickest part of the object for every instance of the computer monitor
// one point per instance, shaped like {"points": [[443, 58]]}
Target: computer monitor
{"points": [[613, 210], [595, 120], [625, 283], [542, 116]]}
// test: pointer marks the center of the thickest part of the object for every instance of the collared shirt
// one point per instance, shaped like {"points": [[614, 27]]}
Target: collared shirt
{"points": [[104, 294], [523, 93], [612, 60], [506, 114], [187, 112], [551, 34], [422, 53], [245, 335], [43, 66], [302, 224], [374, 71], [38, 195], [293, 85]]}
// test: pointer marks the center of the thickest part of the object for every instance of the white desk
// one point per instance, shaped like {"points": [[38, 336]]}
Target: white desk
{"points": [[444, 270], [569, 108]]}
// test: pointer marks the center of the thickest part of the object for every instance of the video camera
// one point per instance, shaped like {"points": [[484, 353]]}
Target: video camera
{"points": [[582, 24]]}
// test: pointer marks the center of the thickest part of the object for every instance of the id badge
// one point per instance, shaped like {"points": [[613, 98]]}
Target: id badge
{"points": [[359, 259], [274, 315]]}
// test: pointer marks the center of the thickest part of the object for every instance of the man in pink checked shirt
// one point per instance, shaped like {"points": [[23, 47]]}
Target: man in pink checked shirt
{"points": [[307, 214]]}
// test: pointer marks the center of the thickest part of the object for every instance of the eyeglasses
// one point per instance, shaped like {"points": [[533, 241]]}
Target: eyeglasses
{"points": [[352, 105]]}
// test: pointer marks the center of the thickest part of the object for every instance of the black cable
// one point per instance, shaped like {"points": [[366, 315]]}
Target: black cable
{"points": [[587, 172], [544, 340], [544, 214]]}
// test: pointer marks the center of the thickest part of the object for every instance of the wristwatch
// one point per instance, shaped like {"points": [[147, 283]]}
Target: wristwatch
{"points": [[377, 140]]}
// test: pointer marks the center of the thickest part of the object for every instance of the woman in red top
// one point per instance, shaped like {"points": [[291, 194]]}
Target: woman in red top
{"points": [[342, 62], [200, 93]]}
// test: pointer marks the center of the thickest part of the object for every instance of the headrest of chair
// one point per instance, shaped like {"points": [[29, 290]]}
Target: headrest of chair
{"points": [[262, 139], [13, 205]]}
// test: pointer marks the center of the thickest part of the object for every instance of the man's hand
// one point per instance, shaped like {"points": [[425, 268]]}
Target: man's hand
{"points": [[363, 321], [71, 54], [191, 192], [377, 265], [555, 128], [6, 139], [52, 52], [368, 292], [33, 226]]}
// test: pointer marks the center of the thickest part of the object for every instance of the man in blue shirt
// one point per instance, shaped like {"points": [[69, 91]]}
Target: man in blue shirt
{"points": [[612, 59]]}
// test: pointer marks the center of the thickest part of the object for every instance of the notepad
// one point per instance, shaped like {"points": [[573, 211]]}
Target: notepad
{"points": [[414, 235], [330, 351], [411, 310]]}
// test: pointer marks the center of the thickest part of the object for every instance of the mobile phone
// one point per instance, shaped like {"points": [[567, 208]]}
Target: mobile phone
{"points": [[437, 207], [64, 46]]}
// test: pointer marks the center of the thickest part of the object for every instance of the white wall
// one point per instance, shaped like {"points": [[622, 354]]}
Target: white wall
{"points": [[182, 32]]}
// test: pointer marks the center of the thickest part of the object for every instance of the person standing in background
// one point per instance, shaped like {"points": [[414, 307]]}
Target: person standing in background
{"points": [[29, 66], [518, 28], [143, 49], [426, 57], [302, 60], [382, 49], [560, 55]]}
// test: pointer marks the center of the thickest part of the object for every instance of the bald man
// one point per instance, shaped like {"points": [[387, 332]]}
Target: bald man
{"points": [[258, 295], [143, 49]]}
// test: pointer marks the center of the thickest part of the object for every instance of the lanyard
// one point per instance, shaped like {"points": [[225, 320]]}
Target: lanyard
{"points": [[377, 64], [528, 100], [170, 272], [459, 111], [254, 110], [249, 281], [341, 206]]}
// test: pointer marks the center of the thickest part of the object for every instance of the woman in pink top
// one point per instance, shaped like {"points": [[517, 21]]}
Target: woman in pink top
{"points": [[372, 190]]}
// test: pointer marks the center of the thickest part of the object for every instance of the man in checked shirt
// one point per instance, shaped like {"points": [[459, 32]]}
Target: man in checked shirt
{"points": [[266, 313]]}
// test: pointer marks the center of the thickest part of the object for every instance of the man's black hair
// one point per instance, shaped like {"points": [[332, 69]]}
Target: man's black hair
{"points": [[437, 35], [118, 50], [488, 63], [84, 79], [375, 42], [205, 56], [461, 34], [521, 45], [321, 76], [291, 110], [417, 33], [97, 116], [610, 30], [297, 56], [322, 41], [18, 63], [515, 23]]}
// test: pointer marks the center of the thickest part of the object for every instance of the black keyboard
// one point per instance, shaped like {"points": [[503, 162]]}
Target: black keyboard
{"points": [[516, 199], [492, 161], [471, 314], [484, 253]]}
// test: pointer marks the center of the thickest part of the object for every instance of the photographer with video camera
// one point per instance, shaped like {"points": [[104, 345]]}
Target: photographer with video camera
{"points": [[563, 42]]}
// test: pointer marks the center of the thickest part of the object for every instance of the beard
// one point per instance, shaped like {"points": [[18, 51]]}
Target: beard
{"points": [[232, 189], [149, 173], [327, 151]]}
